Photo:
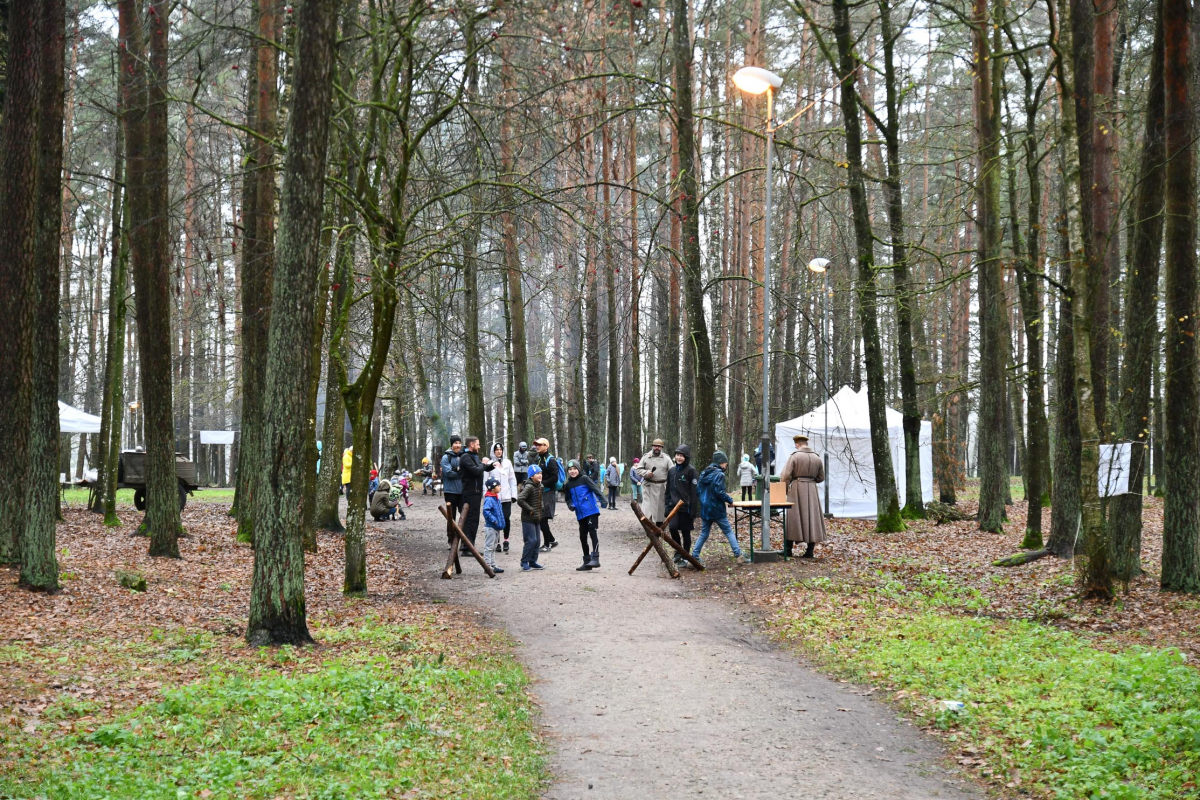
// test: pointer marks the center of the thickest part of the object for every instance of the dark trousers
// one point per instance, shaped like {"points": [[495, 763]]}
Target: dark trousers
{"points": [[454, 502], [507, 506], [474, 504], [613, 491], [681, 529], [548, 498], [589, 527], [529, 532], [747, 492]]}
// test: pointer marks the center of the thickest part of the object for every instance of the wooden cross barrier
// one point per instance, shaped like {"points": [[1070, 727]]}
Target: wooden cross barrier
{"points": [[455, 537], [657, 536]]}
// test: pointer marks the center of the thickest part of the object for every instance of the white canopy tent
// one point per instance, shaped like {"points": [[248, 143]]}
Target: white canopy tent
{"points": [[72, 420], [851, 474]]}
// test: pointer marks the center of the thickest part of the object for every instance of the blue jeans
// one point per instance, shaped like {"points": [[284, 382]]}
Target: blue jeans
{"points": [[531, 534], [726, 528]]}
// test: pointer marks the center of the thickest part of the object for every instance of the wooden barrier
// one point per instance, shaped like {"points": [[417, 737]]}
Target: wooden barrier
{"points": [[454, 538], [657, 536]]}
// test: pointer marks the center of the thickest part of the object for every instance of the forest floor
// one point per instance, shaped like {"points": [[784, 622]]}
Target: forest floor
{"points": [[111, 693], [649, 688], [1060, 697]]}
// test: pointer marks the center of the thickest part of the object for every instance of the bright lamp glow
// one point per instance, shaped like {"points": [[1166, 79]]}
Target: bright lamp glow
{"points": [[756, 80], [818, 265]]}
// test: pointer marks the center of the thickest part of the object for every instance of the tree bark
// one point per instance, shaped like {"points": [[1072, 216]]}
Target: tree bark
{"points": [[277, 610], [258, 264], [18, 188], [887, 502], [1181, 456], [113, 403], [993, 473], [39, 566], [144, 96], [914, 505], [1141, 321], [689, 187], [1094, 567]]}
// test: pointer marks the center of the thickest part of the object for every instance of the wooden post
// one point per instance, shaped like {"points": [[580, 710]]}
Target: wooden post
{"points": [[656, 536], [454, 531]]}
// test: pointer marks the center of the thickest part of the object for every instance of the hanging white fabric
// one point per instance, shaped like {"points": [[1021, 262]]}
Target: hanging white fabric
{"points": [[216, 437]]}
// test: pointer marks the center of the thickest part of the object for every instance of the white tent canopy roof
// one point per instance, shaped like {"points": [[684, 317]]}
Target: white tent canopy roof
{"points": [[72, 420]]}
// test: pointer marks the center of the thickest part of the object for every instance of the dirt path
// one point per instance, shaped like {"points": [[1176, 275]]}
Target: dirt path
{"points": [[650, 691]]}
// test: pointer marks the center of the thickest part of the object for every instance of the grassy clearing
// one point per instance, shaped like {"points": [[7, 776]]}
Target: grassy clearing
{"points": [[384, 717], [1045, 712], [78, 498]]}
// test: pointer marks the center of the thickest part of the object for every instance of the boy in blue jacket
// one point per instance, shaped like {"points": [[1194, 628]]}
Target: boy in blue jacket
{"points": [[713, 499], [493, 522], [581, 493]]}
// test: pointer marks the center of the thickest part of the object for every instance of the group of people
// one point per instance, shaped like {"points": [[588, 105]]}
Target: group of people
{"points": [[486, 485], [703, 493]]}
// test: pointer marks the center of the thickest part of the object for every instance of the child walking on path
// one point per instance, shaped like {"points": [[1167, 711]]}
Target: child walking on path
{"points": [[713, 499], [493, 523], [582, 492], [746, 475], [530, 503], [504, 472]]}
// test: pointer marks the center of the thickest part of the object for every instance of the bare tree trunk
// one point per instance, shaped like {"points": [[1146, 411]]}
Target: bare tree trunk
{"points": [[277, 609], [1141, 321], [113, 403], [39, 566], [914, 506], [1181, 456], [887, 501], [1094, 567], [522, 417], [18, 187], [689, 187]]}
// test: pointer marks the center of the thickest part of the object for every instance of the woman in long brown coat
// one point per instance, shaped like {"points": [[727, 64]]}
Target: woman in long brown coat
{"points": [[801, 474]]}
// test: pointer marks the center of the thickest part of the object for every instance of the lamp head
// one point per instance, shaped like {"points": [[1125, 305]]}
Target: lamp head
{"points": [[818, 265], [756, 80]]}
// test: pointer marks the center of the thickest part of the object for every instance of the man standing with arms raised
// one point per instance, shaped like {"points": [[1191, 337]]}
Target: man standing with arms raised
{"points": [[472, 468], [653, 469]]}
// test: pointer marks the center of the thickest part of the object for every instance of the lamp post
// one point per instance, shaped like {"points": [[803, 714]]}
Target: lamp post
{"points": [[756, 81], [821, 265]]}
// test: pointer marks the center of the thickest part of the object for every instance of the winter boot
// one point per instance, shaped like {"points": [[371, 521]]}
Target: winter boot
{"points": [[808, 551], [787, 548], [594, 560], [586, 565]]}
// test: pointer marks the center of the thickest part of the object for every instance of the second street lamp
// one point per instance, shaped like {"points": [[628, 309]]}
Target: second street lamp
{"points": [[821, 265], [756, 81]]}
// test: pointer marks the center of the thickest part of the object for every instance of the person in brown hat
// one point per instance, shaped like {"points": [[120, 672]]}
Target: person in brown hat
{"points": [[653, 469], [801, 474]]}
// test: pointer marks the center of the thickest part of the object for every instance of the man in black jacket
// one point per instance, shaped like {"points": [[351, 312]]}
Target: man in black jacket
{"points": [[472, 469], [591, 468], [682, 480]]}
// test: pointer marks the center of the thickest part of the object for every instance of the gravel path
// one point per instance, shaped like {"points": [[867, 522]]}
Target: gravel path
{"points": [[650, 691]]}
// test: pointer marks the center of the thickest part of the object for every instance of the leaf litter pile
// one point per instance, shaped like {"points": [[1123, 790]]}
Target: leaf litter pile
{"points": [[98, 651]]}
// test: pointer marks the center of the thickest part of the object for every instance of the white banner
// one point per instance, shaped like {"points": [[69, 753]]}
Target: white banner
{"points": [[216, 437]]}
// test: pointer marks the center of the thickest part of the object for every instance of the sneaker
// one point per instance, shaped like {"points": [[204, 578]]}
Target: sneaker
{"points": [[544, 548], [679, 560], [536, 566], [741, 558], [506, 545], [554, 544], [499, 549], [525, 568], [497, 570]]}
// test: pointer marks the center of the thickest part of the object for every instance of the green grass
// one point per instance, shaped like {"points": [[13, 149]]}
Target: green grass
{"points": [[358, 726], [77, 498], [1067, 719]]}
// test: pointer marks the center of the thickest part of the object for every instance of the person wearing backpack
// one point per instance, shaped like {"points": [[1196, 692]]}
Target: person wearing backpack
{"points": [[581, 493], [713, 500], [552, 480]]}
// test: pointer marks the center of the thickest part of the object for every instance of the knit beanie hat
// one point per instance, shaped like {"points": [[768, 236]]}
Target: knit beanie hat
{"points": [[720, 458], [572, 464]]}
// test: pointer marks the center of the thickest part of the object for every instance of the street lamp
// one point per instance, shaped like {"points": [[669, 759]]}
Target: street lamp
{"points": [[821, 265], [756, 81]]}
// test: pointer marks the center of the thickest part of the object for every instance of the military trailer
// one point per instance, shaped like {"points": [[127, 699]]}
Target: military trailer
{"points": [[131, 474]]}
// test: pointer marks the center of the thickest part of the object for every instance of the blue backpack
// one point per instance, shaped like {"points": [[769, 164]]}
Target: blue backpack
{"points": [[562, 474]]}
